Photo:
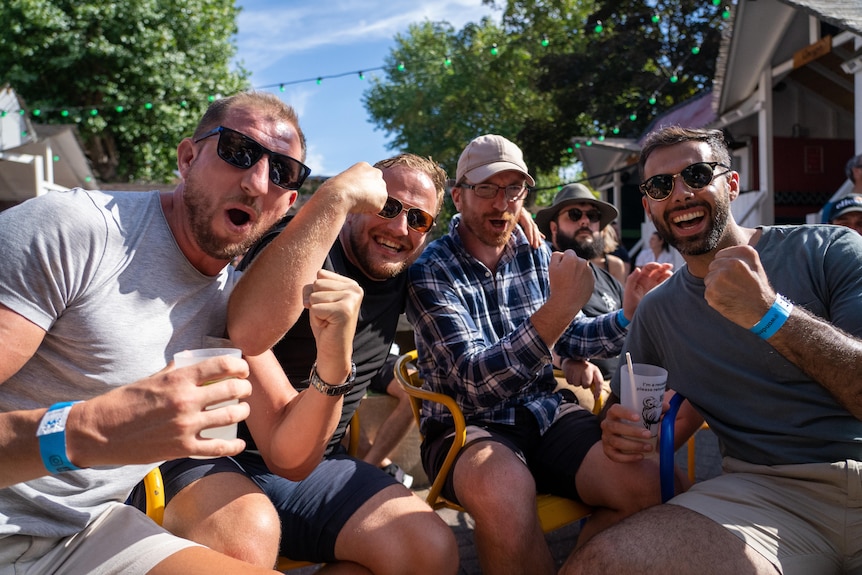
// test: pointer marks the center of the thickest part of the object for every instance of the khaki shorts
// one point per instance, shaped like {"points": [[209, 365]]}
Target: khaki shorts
{"points": [[803, 518], [122, 541]]}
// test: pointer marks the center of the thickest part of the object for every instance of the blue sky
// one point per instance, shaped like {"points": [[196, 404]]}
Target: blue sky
{"points": [[290, 40]]}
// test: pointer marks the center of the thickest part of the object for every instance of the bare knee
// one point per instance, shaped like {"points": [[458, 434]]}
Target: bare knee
{"points": [[221, 511]]}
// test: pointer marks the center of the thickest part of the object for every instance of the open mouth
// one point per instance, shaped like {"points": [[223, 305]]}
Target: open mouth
{"points": [[389, 245], [238, 217], [689, 219]]}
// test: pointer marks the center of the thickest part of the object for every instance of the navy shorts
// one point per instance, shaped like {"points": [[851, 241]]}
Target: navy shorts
{"points": [[312, 511], [553, 458]]}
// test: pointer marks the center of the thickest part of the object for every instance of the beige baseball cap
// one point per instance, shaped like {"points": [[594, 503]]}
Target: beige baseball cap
{"points": [[488, 155]]}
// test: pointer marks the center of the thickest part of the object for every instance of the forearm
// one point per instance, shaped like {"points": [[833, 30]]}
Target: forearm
{"points": [[267, 300], [297, 443], [19, 447], [826, 354]]}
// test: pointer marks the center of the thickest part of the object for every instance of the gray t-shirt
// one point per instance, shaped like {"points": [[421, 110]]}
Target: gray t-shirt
{"points": [[763, 409], [103, 275]]}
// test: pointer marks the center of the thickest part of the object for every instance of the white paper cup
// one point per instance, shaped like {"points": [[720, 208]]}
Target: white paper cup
{"points": [[193, 356], [645, 395]]}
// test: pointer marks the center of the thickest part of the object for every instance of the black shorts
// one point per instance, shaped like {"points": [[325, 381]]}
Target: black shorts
{"points": [[384, 376], [312, 511], [553, 458]]}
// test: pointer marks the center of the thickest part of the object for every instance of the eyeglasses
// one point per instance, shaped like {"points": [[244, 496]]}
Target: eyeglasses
{"points": [[576, 214], [242, 152], [696, 176], [514, 192], [417, 219]]}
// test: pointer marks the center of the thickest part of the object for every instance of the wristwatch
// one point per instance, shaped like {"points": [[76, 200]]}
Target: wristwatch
{"points": [[332, 390]]}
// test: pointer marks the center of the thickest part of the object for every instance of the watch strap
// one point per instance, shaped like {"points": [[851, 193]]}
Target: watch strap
{"points": [[332, 390]]}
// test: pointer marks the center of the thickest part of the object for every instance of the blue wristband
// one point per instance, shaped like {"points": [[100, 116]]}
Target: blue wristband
{"points": [[621, 318], [774, 318], [52, 438]]}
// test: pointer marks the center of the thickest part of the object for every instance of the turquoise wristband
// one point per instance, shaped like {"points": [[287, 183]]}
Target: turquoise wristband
{"points": [[774, 318], [52, 438], [621, 318]]}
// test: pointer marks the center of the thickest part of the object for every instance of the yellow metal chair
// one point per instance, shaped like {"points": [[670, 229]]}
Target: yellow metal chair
{"points": [[554, 511], [155, 491]]}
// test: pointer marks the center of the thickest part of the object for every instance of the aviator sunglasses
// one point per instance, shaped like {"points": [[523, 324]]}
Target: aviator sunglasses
{"points": [[242, 152], [417, 219], [696, 176], [576, 214]]}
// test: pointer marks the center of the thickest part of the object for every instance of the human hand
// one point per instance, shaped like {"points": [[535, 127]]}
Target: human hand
{"points": [[333, 303], [531, 230], [737, 286], [361, 187], [640, 282], [160, 417], [571, 283], [621, 441], [582, 373]]}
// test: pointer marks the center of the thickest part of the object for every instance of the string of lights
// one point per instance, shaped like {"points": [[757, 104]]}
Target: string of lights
{"points": [[671, 75]]}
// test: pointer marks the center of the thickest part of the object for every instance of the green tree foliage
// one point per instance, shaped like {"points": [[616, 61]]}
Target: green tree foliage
{"points": [[562, 69], [134, 75]]}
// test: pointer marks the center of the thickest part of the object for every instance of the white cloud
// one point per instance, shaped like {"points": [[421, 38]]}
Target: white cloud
{"points": [[270, 30]]}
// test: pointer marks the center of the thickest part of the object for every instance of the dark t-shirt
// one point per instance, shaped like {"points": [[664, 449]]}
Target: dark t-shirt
{"points": [[382, 303], [607, 297]]}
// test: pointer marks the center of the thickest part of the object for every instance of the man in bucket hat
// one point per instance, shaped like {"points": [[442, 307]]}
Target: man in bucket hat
{"points": [[488, 309], [575, 222]]}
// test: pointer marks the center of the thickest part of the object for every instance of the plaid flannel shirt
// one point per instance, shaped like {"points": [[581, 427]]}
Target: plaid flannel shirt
{"points": [[474, 336]]}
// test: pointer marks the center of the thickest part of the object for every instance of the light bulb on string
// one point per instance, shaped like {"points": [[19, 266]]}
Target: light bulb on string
{"points": [[598, 28], [494, 50], [545, 41]]}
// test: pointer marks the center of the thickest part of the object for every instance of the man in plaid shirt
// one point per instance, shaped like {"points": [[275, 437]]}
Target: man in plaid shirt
{"points": [[488, 310]]}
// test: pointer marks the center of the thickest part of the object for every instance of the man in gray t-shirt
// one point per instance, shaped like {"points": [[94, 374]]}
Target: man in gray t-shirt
{"points": [[97, 292], [761, 332]]}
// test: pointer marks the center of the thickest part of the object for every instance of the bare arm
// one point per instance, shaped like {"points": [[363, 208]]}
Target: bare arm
{"points": [[292, 429], [154, 419], [737, 287], [268, 299]]}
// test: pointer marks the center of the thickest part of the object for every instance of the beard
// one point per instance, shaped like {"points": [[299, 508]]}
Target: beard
{"points": [[585, 248], [201, 212], [475, 223], [704, 243]]}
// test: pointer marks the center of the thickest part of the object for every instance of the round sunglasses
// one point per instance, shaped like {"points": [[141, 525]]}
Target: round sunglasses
{"points": [[418, 220], [575, 215], [696, 176], [242, 152]]}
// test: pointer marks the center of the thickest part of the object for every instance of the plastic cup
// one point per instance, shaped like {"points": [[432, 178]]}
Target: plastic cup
{"points": [[193, 356], [645, 395]]}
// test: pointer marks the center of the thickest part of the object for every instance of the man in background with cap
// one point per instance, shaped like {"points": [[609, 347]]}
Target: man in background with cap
{"points": [[847, 212], [488, 309]]}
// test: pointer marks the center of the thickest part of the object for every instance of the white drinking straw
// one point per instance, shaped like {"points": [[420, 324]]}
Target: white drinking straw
{"points": [[632, 386]]}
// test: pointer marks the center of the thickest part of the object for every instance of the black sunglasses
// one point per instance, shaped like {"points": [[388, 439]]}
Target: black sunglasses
{"points": [[417, 219], [696, 176], [576, 214], [242, 152]]}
